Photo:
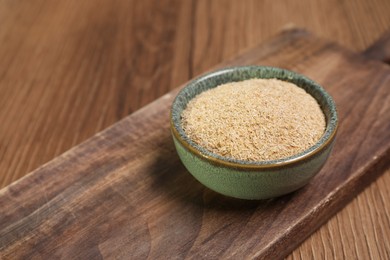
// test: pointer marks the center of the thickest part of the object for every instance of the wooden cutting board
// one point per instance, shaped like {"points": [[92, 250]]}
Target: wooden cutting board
{"points": [[124, 193]]}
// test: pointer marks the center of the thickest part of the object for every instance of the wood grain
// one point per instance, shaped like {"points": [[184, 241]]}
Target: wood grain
{"points": [[124, 190], [70, 69], [380, 49], [67, 70], [361, 230]]}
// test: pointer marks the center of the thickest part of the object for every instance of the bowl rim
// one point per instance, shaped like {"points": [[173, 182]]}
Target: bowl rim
{"points": [[325, 140]]}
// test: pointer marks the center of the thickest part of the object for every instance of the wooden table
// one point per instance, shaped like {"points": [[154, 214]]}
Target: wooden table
{"points": [[70, 69]]}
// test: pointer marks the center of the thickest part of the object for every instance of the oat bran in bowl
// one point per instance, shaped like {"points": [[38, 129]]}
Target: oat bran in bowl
{"points": [[253, 132]]}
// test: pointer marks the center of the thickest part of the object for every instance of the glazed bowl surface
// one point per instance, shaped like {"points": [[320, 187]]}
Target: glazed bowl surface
{"points": [[248, 179]]}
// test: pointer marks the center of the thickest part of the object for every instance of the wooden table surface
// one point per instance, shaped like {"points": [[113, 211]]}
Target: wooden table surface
{"points": [[68, 69]]}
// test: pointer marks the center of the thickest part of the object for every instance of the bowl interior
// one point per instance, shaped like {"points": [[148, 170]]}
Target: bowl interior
{"points": [[234, 74]]}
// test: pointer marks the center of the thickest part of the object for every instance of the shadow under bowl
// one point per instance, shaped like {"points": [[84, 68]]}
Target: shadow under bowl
{"points": [[247, 179]]}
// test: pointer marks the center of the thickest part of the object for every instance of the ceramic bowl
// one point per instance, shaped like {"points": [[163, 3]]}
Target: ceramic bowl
{"points": [[245, 179]]}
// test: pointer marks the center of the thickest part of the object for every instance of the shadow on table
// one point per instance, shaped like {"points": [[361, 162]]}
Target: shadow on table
{"points": [[173, 180]]}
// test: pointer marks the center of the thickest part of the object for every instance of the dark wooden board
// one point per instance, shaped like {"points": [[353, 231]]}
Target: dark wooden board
{"points": [[124, 193]]}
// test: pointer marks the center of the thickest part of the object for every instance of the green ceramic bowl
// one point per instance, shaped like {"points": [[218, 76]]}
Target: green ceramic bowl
{"points": [[245, 179]]}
